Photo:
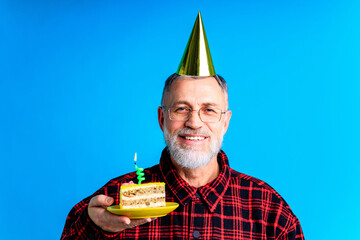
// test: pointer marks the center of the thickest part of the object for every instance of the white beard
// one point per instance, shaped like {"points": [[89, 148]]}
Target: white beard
{"points": [[191, 157]]}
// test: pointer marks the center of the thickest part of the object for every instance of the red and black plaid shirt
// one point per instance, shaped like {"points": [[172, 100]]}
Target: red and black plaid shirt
{"points": [[233, 206]]}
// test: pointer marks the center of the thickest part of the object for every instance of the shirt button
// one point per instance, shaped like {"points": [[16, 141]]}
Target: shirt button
{"points": [[197, 195], [196, 234]]}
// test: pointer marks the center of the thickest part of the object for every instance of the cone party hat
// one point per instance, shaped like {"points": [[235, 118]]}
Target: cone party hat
{"points": [[196, 60]]}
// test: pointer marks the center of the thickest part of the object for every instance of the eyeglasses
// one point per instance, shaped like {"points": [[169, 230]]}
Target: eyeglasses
{"points": [[206, 114]]}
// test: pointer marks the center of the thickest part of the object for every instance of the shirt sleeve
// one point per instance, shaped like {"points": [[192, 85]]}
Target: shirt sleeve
{"points": [[294, 232], [79, 225]]}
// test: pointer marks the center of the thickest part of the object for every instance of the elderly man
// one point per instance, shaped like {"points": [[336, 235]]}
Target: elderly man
{"points": [[215, 201]]}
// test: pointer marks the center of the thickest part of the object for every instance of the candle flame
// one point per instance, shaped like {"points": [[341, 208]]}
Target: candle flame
{"points": [[135, 157]]}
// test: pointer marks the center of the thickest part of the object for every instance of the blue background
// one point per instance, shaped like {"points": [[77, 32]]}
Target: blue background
{"points": [[80, 82]]}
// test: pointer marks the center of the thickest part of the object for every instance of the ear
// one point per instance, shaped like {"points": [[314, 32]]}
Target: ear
{"points": [[227, 120], [161, 118]]}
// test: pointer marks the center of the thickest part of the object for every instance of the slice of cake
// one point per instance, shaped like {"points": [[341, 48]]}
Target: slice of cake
{"points": [[142, 195]]}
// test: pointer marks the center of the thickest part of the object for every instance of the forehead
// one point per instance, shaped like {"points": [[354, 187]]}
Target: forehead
{"points": [[195, 91]]}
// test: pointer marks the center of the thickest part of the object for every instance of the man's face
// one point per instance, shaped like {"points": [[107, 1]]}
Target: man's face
{"points": [[193, 143]]}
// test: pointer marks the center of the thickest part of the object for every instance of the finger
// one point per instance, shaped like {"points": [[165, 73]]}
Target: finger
{"points": [[117, 219], [101, 201], [111, 222], [125, 220], [116, 223], [137, 222]]}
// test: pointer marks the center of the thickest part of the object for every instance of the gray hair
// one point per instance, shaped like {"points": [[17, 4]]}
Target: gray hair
{"points": [[170, 80]]}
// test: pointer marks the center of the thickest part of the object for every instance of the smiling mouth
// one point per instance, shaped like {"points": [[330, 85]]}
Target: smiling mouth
{"points": [[197, 138]]}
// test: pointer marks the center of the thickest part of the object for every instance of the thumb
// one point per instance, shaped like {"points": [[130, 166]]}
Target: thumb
{"points": [[109, 200], [101, 201]]}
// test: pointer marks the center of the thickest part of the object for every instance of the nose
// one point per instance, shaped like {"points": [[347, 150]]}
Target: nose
{"points": [[194, 121]]}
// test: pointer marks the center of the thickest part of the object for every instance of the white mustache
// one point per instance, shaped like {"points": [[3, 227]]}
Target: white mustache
{"points": [[192, 131]]}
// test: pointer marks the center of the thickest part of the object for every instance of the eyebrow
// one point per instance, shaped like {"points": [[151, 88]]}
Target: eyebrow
{"points": [[206, 104], [209, 104], [181, 102]]}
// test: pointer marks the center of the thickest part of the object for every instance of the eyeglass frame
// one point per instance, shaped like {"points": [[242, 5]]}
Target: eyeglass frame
{"points": [[191, 111]]}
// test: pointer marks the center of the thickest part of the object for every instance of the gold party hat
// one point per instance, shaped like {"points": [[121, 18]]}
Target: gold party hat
{"points": [[196, 60]]}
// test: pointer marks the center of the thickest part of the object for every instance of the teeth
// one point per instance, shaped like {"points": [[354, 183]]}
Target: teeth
{"points": [[194, 138]]}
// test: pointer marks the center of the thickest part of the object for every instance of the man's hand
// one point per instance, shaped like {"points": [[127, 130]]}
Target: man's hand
{"points": [[108, 221]]}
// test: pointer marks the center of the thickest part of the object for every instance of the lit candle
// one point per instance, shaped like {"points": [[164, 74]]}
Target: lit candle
{"points": [[139, 171]]}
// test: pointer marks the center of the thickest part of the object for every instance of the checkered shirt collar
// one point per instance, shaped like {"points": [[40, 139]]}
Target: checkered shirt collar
{"points": [[211, 193]]}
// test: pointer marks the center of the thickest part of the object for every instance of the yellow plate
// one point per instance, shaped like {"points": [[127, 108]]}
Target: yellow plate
{"points": [[138, 213]]}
